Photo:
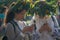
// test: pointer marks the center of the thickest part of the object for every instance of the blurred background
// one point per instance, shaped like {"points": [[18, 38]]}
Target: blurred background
{"points": [[5, 5]]}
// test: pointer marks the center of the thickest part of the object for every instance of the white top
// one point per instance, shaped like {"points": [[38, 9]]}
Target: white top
{"points": [[21, 24], [40, 22], [55, 21]]}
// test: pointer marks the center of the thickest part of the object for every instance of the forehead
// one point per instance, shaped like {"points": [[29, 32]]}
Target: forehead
{"points": [[22, 12]]}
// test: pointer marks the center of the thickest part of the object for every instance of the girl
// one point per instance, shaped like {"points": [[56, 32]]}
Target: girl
{"points": [[15, 26]]}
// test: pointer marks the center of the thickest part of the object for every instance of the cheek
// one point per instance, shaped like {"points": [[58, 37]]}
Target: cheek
{"points": [[20, 16]]}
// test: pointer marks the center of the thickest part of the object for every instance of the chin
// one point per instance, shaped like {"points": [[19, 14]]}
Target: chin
{"points": [[21, 19]]}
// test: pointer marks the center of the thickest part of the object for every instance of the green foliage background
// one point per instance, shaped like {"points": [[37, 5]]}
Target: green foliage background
{"points": [[34, 5]]}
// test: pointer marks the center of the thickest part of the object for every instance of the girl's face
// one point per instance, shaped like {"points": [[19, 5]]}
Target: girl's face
{"points": [[20, 15]]}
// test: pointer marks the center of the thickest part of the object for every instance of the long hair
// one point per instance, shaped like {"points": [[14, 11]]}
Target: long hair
{"points": [[10, 16], [19, 7]]}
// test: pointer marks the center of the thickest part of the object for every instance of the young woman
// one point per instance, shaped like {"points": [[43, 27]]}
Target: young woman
{"points": [[16, 16], [44, 22], [44, 27]]}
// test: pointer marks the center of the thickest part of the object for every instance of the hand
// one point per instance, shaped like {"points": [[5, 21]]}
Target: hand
{"points": [[45, 27], [28, 29]]}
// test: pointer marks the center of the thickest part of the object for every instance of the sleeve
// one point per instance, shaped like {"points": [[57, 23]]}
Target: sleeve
{"points": [[51, 24], [55, 22], [10, 32]]}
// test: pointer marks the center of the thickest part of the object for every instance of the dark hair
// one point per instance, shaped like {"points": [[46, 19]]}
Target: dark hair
{"points": [[10, 16], [19, 7]]}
